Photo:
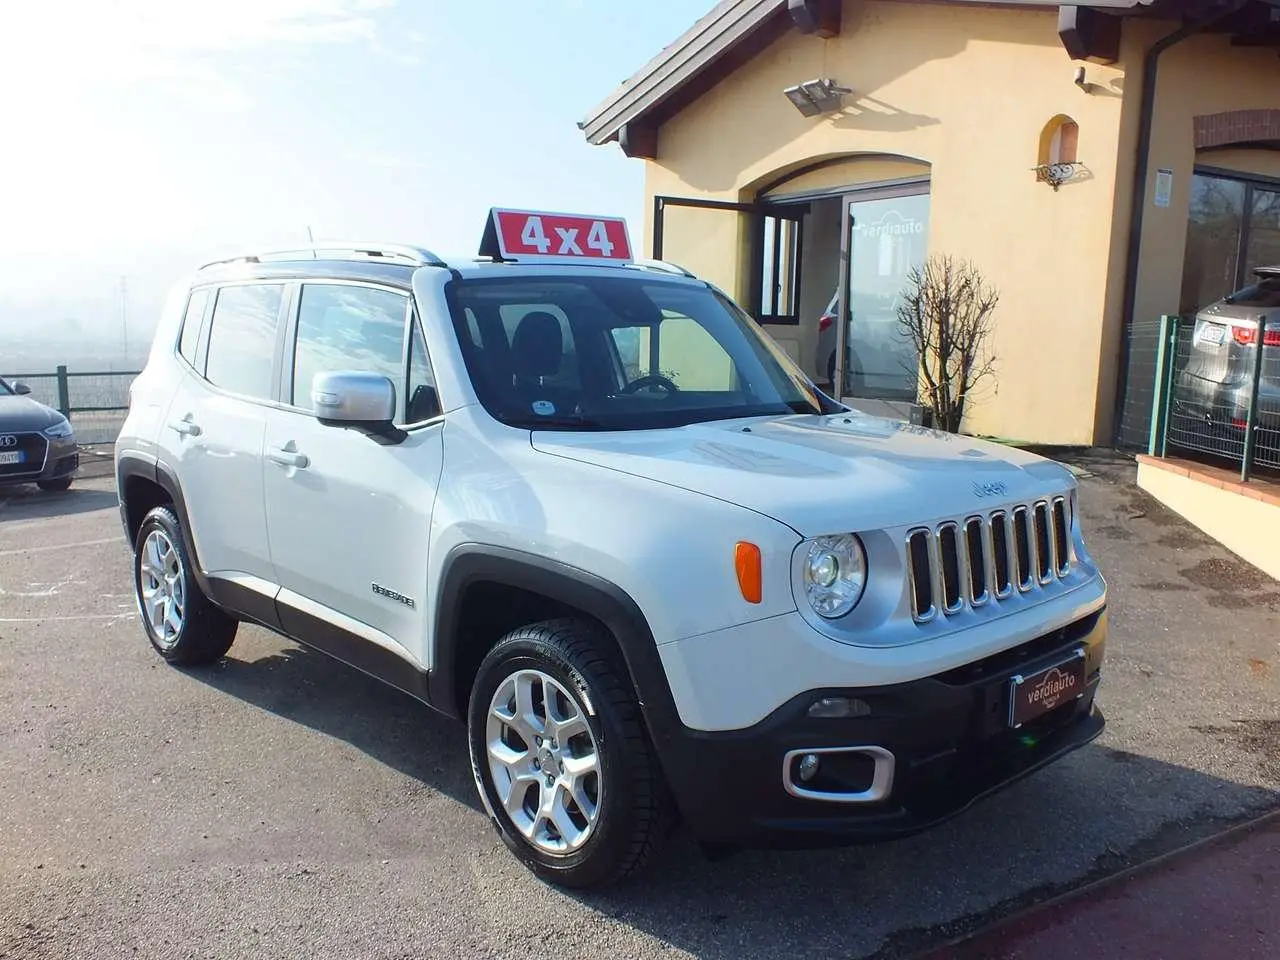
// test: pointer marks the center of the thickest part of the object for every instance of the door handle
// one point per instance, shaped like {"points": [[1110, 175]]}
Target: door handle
{"points": [[185, 427], [288, 458]]}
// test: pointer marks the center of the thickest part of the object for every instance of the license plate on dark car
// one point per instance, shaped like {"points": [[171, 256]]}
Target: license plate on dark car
{"points": [[11, 456], [1035, 694]]}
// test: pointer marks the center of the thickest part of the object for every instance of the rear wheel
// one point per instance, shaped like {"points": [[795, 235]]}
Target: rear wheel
{"points": [[182, 624], [561, 758], [53, 486]]}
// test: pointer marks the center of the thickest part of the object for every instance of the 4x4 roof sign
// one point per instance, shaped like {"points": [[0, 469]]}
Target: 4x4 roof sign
{"points": [[541, 235]]}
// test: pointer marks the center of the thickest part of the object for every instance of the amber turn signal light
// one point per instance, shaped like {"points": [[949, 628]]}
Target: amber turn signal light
{"points": [[746, 561]]}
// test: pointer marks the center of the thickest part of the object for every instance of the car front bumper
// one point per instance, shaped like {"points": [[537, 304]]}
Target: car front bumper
{"points": [[947, 738], [61, 458]]}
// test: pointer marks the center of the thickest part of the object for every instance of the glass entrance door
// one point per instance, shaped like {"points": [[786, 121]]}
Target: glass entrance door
{"points": [[885, 234], [1233, 226]]}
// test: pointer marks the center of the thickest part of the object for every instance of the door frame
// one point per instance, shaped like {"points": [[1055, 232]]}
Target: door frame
{"points": [[758, 212], [795, 208]]}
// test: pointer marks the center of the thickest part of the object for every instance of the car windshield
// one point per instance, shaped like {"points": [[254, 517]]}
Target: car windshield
{"points": [[615, 353]]}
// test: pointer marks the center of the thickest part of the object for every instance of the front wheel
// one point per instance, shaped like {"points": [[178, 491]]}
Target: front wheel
{"points": [[561, 758], [54, 486], [182, 624]]}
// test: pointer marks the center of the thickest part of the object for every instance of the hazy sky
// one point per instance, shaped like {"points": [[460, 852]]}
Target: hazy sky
{"points": [[140, 135]]}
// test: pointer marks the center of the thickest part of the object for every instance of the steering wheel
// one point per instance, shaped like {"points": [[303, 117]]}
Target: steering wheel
{"points": [[651, 380]]}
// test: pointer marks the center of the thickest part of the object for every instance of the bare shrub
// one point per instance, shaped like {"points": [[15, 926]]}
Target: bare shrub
{"points": [[946, 313]]}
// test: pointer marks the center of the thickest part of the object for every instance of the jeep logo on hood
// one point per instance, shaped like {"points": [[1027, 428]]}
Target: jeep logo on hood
{"points": [[995, 488]]}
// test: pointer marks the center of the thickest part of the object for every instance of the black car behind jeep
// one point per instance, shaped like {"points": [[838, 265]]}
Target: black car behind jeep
{"points": [[37, 443]]}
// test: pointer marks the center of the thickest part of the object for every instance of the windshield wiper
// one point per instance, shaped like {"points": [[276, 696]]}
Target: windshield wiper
{"points": [[552, 420]]}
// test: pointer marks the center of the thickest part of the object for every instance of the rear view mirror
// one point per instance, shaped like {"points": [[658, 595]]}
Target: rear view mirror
{"points": [[21, 389], [357, 401]]}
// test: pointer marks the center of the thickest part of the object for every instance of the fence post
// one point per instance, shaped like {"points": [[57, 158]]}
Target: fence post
{"points": [[1166, 355], [64, 392], [1250, 421]]}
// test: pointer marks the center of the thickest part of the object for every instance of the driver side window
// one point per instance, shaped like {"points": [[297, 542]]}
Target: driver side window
{"points": [[687, 354], [349, 327]]}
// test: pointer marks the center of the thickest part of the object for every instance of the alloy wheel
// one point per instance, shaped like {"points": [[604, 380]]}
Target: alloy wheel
{"points": [[162, 588], [544, 761]]}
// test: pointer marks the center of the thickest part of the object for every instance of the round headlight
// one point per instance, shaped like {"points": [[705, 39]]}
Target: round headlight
{"points": [[835, 574]]}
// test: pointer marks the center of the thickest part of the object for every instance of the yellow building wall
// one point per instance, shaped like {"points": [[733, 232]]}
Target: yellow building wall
{"points": [[1202, 75], [968, 91]]}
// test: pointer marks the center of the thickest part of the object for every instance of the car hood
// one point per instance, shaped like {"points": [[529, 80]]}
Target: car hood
{"points": [[824, 474], [23, 413]]}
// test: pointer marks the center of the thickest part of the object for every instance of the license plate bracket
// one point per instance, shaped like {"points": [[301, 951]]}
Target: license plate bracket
{"points": [[1034, 694]]}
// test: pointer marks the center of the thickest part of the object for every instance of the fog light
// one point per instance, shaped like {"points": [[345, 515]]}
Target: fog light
{"points": [[839, 708], [808, 767]]}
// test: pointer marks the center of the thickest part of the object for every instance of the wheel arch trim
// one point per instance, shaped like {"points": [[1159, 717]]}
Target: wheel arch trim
{"points": [[470, 563], [225, 594]]}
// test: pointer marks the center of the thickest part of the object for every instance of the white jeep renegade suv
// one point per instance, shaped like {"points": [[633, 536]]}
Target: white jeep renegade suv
{"points": [[589, 508]]}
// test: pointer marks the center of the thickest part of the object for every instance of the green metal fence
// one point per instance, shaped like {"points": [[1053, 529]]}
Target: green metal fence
{"points": [[1235, 423], [95, 401]]}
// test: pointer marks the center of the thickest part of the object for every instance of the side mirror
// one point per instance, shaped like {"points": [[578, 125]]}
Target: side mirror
{"points": [[20, 388], [357, 401]]}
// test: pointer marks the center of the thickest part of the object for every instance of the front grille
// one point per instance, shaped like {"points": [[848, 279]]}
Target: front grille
{"points": [[33, 448], [968, 563]]}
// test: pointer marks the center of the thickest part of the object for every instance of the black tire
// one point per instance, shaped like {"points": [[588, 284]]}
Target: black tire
{"points": [[635, 810], [206, 631], [54, 486]]}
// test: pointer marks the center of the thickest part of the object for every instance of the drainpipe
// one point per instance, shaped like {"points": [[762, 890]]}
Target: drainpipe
{"points": [[1138, 203]]}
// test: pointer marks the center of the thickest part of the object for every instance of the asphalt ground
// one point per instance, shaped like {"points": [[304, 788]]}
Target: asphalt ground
{"points": [[282, 805]]}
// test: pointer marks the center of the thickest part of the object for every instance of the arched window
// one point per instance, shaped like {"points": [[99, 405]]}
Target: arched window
{"points": [[1056, 157], [1059, 140]]}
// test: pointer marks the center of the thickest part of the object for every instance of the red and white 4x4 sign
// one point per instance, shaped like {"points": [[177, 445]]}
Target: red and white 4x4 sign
{"points": [[530, 234]]}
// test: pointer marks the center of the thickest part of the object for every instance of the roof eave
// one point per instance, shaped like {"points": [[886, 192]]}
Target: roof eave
{"points": [[727, 24], [713, 34]]}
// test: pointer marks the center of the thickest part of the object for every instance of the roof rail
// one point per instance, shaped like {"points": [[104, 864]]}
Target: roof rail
{"points": [[340, 250], [663, 266]]}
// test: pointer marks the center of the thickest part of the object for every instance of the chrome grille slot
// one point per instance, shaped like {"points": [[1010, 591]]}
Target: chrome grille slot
{"points": [[975, 540], [1045, 561], [920, 574], [1003, 554], [1060, 538], [1022, 549], [950, 560], [967, 563]]}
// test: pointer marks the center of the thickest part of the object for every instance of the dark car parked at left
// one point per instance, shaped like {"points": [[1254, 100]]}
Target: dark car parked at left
{"points": [[37, 443]]}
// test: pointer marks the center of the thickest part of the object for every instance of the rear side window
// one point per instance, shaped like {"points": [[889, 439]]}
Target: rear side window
{"points": [[1265, 294], [242, 338], [190, 340]]}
